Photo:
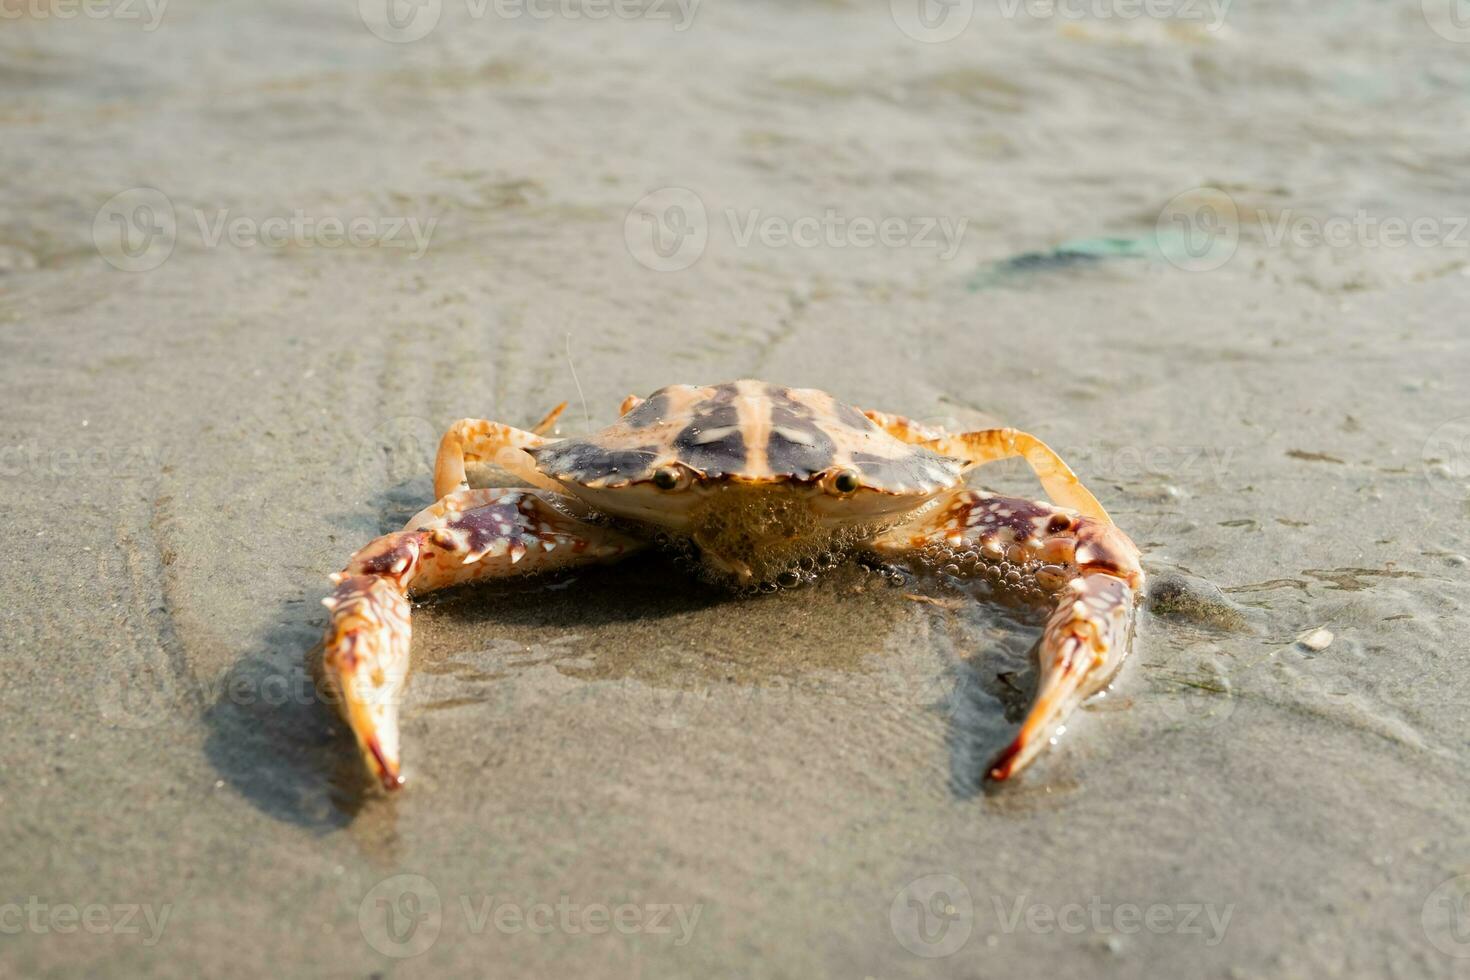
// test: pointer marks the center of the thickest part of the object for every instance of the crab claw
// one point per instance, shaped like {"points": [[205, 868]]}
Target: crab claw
{"points": [[366, 661], [1081, 649], [366, 655]]}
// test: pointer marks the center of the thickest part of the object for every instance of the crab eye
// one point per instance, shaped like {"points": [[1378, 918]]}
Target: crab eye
{"points": [[845, 481], [666, 478]]}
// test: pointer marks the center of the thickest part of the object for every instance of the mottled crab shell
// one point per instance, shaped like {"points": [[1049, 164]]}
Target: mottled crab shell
{"points": [[746, 432]]}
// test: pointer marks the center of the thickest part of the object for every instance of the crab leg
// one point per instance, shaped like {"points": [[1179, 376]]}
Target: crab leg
{"points": [[989, 445], [548, 421], [903, 427], [479, 440], [468, 536], [1085, 569]]}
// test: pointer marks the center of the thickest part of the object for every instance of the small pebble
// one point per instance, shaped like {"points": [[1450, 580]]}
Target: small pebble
{"points": [[1317, 640]]}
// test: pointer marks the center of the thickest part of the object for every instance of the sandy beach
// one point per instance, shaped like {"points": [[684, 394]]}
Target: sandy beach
{"points": [[255, 257]]}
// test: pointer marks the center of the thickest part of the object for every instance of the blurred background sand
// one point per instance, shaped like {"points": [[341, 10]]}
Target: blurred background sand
{"points": [[253, 258]]}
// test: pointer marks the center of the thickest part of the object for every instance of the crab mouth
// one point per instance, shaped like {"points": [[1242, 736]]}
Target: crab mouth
{"points": [[753, 534], [724, 566]]}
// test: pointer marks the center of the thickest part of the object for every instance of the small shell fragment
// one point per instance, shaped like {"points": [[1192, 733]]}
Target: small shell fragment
{"points": [[1317, 640]]}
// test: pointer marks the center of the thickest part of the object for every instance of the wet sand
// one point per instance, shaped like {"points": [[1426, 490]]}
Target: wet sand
{"points": [[192, 446]]}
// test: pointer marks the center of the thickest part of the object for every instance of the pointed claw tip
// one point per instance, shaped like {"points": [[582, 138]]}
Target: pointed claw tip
{"points": [[388, 773], [1008, 761]]}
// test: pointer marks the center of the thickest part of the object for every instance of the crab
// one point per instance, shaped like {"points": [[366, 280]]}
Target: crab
{"points": [[759, 485]]}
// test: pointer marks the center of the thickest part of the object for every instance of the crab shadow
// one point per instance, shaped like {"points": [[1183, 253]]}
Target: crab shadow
{"points": [[987, 692]]}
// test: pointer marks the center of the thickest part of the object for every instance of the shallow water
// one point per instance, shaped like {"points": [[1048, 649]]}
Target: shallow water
{"points": [[206, 412]]}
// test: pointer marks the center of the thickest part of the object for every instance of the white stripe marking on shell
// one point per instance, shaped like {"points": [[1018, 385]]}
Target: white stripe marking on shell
{"points": [[794, 435], [714, 435]]}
